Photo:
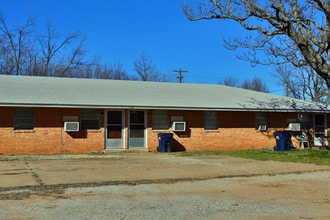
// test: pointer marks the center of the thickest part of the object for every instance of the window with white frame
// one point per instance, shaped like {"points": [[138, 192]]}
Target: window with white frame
{"points": [[160, 120], [261, 121], [24, 119], [90, 119], [211, 121]]}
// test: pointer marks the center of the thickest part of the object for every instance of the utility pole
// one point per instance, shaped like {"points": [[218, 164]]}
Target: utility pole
{"points": [[180, 76]]}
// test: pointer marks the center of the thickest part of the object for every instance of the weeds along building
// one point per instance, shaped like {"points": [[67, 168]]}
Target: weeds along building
{"points": [[44, 115]]}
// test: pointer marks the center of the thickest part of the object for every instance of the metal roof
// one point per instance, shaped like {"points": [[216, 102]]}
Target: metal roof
{"points": [[99, 93]]}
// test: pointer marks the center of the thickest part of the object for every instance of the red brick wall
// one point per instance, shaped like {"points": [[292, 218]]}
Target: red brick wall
{"points": [[48, 136], [236, 131]]}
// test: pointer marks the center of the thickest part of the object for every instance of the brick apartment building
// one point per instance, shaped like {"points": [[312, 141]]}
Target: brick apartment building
{"points": [[44, 115]]}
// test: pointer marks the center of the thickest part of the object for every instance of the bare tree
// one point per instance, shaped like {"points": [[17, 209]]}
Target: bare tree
{"points": [[16, 46], [145, 68], [147, 71], [296, 32], [255, 84], [53, 59], [230, 81], [302, 83], [23, 51], [115, 71]]}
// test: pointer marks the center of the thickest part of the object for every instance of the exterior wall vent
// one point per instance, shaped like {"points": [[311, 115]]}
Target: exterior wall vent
{"points": [[71, 126], [179, 126]]}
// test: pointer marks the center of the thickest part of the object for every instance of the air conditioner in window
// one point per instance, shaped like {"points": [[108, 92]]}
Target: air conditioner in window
{"points": [[71, 126], [262, 128], [294, 127], [179, 126]]}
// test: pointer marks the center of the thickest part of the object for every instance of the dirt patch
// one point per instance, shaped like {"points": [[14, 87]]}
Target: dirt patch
{"points": [[19, 193], [291, 196]]}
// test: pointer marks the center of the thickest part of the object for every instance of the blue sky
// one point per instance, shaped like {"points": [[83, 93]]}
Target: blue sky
{"points": [[119, 31]]}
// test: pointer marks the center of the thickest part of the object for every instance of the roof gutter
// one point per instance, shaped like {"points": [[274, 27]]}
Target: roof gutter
{"points": [[162, 108]]}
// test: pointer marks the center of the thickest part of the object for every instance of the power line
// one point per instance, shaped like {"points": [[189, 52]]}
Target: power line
{"points": [[180, 76]]}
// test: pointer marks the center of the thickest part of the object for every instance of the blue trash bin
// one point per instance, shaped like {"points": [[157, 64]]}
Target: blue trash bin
{"points": [[165, 142], [283, 140]]}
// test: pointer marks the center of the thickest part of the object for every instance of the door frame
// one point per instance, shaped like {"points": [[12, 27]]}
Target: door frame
{"points": [[123, 133], [320, 137], [144, 131]]}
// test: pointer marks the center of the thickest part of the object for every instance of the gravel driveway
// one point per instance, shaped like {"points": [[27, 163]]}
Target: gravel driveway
{"points": [[285, 196]]}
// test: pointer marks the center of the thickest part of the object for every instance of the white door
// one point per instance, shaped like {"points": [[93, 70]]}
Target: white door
{"points": [[114, 130], [136, 129], [320, 130]]}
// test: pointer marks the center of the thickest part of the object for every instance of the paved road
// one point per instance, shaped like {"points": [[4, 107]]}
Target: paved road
{"points": [[162, 186], [138, 168]]}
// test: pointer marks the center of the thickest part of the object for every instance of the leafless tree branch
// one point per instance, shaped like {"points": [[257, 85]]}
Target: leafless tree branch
{"points": [[296, 32]]}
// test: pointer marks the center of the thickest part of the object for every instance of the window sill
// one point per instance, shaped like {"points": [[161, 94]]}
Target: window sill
{"points": [[24, 131], [93, 131], [261, 131], [160, 131], [212, 131]]}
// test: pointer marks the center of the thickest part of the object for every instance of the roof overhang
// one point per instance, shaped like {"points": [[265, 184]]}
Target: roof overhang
{"points": [[22, 105]]}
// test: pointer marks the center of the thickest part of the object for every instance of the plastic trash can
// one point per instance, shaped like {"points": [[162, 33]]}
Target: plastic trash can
{"points": [[165, 142], [283, 140]]}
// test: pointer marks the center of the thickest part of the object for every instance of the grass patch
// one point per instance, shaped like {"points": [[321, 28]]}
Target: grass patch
{"points": [[318, 157]]}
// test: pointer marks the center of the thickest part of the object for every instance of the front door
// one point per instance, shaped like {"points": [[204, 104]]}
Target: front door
{"points": [[136, 129], [114, 130], [320, 130]]}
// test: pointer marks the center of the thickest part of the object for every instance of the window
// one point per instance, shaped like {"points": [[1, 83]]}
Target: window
{"points": [[211, 121], [319, 123], [261, 121], [160, 120], [90, 119], [303, 120], [24, 119]]}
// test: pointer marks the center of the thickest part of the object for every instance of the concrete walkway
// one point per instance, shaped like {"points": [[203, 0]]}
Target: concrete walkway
{"points": [[135, 168]]}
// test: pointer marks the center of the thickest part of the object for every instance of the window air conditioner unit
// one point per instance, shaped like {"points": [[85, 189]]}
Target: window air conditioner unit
{"points": [[71, 126], [262, 128], [294, 127], [179, 126]]}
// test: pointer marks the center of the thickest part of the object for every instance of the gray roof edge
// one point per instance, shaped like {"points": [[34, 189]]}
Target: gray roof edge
{"points": [[34, 91], [161, 108]]}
